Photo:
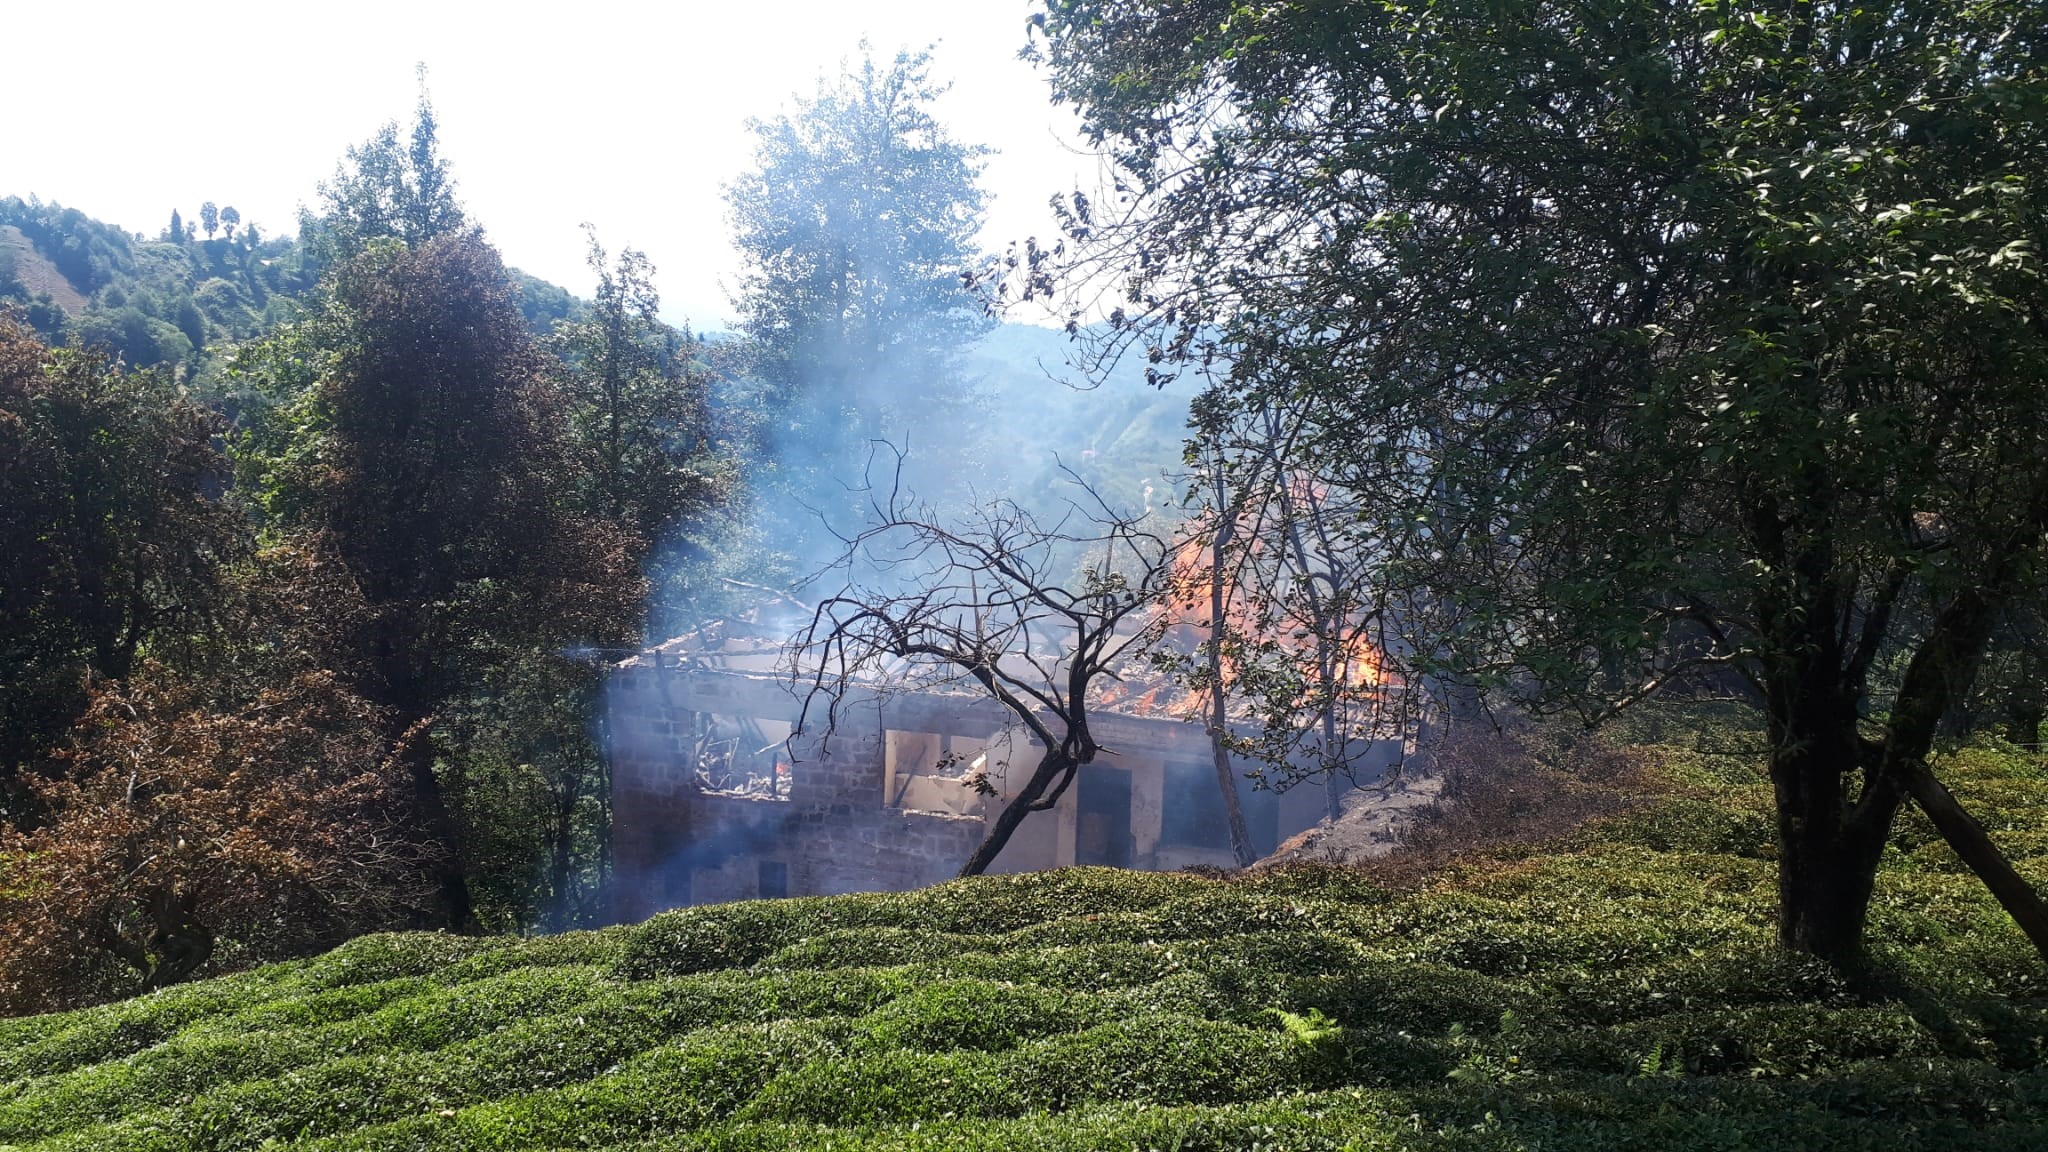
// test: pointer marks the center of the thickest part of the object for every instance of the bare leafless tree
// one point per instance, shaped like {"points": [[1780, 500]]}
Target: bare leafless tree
{"points": [[1302, 647], [1031, 610]]}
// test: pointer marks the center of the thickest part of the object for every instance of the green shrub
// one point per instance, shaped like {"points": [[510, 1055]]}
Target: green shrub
{"points": [[992, 904], [868, 947], [976, 1014], [890, 1087], [391, 956], [1685, 824], [1426, 999], [1782, 1040], [1156, 1060], [1621, 992], [710, 998], [112, 1031], [709, 938]]}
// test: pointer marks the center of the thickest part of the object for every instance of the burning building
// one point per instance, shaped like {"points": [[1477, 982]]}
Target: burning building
{"points": [[718, 796]]}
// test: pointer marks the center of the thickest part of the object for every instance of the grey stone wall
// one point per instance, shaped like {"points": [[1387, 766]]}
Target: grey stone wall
{"points": [[675, 844], [832, 831]]}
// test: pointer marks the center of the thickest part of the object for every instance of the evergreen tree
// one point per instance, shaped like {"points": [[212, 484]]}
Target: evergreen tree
{"points": [[419, 442], [638, 395], [388, 188], [858, 225]]}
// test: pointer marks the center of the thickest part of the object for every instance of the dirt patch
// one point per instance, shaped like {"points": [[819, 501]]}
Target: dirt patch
{"points": [[1504, 791], [1373, 823], [37, 274], [1485, 792]]}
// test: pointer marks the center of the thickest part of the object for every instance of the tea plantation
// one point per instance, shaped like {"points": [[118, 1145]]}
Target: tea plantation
{"points": [[1615, 990]]}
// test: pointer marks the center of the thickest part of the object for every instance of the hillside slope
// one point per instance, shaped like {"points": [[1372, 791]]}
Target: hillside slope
{"points": [[1618, 991], [27, 274], [170, 300]]}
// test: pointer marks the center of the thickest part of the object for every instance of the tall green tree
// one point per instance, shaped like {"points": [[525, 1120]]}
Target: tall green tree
{"points": [[388, 187], [112, 533], [1651, 339], [648, 458], [638, 395], [641, 460], [857, 226], [419, 442]]}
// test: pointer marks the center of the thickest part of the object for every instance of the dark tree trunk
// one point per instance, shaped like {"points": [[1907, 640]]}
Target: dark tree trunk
{"points": [[416, 753], [1219, 751], [560, 863], [1970, 842], [1829, 842], [1226, 781], [1219, 705], [2026, 702], [1824, 885], [2023, 721], [1038, 793], [179, 942], [1333, 792], [1830, 845], [604, 909]]}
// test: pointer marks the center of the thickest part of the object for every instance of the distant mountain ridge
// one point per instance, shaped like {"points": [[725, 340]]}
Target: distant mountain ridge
{"points": [[179, 300], [169, 300]]}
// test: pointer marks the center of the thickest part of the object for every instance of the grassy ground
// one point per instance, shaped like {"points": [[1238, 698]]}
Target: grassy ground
{"points": [[1613, 990]]}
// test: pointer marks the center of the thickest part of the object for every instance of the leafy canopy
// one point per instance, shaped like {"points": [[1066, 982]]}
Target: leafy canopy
{"points": [[1646, 337], [858, 225]]}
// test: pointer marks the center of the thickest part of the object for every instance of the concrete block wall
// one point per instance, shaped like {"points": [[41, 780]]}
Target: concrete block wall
{"points": [[832, 831]]}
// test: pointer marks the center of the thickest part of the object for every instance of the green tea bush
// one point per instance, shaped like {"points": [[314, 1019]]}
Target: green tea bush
{"points": [[977, 1014], [1781, 1040], [1426, 999], [869, 947], [111, 1031], [391, 956], [890, 1087], [1684, 824], [1619, 990], [1158, 1060], [994, 904]]}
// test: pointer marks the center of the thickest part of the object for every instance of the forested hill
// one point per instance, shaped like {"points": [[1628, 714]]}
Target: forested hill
{"points": [[170, 299], [178, 298]]}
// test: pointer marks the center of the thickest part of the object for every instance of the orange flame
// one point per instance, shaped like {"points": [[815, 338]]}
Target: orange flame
{"points": [[1186, 616]]}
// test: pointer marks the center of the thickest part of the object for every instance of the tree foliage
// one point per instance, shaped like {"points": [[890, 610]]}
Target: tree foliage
{"points": [[416, 441], [638, 394], [857, 226], [110, 533], [180, 822], [387, 607], [386, 187], [1651, 338]]}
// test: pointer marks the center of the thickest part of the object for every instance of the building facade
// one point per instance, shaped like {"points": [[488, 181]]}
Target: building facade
{"points": [[714, 799]]}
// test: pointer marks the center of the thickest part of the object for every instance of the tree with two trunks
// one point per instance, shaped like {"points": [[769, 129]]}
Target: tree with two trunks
{"points": [[1654, 340]]}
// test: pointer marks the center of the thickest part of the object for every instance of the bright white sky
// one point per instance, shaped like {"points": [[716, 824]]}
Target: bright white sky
{"points": [[627, 115]]}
